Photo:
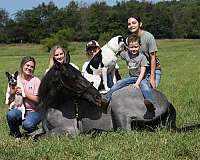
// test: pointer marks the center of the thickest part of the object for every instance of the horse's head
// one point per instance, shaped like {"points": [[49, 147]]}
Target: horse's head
{"points": [[117, 43], [73, 83]]}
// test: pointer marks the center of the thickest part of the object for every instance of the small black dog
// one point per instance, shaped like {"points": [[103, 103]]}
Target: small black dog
{"points": [[12, 99]]}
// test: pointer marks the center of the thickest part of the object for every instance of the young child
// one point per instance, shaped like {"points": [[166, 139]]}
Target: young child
{"points": [[137, 64]]}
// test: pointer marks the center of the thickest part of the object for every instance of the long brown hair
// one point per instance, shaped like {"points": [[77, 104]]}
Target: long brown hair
{"points": [[139, 20]]}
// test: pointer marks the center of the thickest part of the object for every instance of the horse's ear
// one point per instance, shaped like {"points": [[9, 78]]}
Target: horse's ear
{"points": [[67, 57], [56, 63]]}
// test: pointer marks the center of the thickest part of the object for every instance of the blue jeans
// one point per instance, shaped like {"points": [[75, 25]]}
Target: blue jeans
{"points": [[14, 119], [144, 86], [109, 80]]}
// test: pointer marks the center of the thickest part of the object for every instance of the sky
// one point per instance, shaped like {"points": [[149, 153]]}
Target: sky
{"points": [[12, 6]]}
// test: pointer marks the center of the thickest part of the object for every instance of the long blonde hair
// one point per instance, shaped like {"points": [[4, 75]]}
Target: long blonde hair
{"points": [[52, 53]]}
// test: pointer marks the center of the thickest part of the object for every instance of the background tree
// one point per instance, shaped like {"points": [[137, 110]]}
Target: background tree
{"points": [[167, 19], [4, 19]]}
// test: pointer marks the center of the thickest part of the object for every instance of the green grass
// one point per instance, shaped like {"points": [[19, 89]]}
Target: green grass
{"points": [[180, 83]]}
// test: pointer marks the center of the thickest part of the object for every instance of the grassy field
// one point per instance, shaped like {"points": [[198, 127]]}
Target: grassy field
{"points": [[180, 61]]}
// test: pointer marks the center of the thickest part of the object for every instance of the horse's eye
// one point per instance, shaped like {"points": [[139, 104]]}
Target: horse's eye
{"points": [[74, 76]]}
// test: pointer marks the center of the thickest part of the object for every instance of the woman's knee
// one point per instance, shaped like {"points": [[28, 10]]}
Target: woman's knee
{"points": [[28, 126], [12, 114]]}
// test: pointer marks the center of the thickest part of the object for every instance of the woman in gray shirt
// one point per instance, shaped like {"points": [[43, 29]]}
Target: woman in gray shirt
{"points": [[148, 48]]}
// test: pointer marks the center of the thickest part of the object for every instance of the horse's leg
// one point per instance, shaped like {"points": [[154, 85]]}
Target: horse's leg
{"points": [[58, 122], [121, 121], [170, 119]]}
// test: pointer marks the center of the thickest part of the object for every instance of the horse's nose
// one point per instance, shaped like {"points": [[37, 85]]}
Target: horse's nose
{"points": [[98, 96]]}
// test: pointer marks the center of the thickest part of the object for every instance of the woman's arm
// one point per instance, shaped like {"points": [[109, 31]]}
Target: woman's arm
{"points": [[32, 97], [28, 95], [153, 68]]}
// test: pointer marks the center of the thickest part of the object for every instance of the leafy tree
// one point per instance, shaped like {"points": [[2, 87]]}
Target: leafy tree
{"points": [[4, 19], [60, 38], [166, 19], [98, 19], [104, 38]]}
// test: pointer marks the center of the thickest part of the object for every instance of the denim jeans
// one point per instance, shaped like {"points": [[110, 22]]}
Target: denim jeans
{"points": [[109, 80], [144, 86], [14, 119], [158, 76]]}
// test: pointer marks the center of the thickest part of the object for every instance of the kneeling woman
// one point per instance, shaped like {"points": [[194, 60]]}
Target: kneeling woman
{"points": [[30, 85]]}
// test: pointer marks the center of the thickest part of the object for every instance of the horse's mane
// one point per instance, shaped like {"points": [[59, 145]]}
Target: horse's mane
{"points": [[51, 89]]}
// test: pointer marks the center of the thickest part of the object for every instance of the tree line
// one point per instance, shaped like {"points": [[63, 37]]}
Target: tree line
{"points": [[82, 22]]}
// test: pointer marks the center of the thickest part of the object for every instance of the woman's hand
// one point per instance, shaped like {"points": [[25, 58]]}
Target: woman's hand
{"points": [[18, 91], [153, 82]]}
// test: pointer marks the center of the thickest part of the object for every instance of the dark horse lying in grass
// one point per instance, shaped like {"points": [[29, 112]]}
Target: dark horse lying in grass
{"points": [[71, 105]]}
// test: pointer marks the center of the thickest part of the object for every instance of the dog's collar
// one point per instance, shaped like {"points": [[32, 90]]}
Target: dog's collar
{"points": [[111, 48]]}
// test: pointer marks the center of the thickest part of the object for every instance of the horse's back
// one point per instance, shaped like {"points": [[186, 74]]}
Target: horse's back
{"points": [[128, 106]]}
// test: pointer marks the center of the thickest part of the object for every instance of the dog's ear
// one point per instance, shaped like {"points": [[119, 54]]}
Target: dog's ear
{"points": [[121, 39], [7, 75], [16, 74]]}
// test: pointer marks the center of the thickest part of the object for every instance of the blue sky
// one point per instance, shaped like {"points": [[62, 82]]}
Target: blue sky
{"points": [[14, 5]]}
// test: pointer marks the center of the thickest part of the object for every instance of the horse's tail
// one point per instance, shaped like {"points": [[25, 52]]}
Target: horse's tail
{"points": [[188, 128], [172, 122]]}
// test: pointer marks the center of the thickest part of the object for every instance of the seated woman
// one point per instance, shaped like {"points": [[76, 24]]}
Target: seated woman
{"points": [[30, 85], [59, 54], [92, 49]]}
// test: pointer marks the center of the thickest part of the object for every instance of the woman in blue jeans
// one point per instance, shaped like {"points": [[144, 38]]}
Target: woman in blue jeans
{"points": [[29, 86]]}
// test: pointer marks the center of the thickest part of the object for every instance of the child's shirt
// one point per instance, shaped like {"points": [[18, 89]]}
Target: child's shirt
{"points": [[134, 62]]}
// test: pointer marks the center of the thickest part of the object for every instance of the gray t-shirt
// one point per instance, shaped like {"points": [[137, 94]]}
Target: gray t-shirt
{"points": [[148, 45], [134, 62]]}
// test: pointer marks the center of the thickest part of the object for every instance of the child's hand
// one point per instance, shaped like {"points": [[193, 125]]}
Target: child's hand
{"points": [[136, 86]]}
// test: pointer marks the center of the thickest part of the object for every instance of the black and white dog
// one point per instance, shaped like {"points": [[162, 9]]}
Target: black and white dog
{"points": [[104, 62], [12, 99]]}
